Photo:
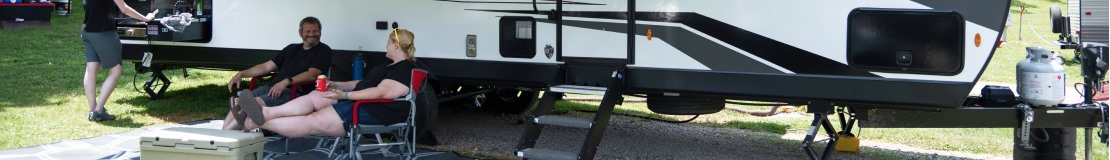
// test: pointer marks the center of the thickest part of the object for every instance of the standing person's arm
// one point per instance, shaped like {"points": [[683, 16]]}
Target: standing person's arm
{"points": [[127, 10]]}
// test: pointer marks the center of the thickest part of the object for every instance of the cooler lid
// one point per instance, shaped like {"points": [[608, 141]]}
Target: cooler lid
{"points": [[201, 138]]}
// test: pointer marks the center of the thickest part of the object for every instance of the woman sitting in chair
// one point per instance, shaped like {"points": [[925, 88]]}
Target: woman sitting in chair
{"points": [[328, 113]]}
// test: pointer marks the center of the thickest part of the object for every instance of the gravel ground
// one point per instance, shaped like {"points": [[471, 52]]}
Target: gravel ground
{"points": [[491, 135]]}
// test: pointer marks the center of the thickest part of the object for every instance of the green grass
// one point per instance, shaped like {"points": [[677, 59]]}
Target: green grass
{"points": [[1002, 67], [43, 99]]}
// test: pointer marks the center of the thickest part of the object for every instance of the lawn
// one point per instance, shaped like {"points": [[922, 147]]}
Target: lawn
{"points": [[43, 101]]}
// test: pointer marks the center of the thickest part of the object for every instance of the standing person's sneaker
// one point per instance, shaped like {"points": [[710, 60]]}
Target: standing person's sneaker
{"points": [[101, 116]]}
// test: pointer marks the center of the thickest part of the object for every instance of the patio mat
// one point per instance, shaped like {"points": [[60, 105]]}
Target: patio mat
{"points": [[126, 146]]}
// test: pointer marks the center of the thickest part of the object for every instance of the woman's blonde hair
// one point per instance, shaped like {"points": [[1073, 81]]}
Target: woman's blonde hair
{"points": [[404, 39]]}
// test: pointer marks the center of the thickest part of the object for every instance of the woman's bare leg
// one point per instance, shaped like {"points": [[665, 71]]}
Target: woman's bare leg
{"points": [[299, 106], [324, 122]]}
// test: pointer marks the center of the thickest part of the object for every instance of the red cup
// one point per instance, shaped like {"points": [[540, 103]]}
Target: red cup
{"points": [[321, 83]]}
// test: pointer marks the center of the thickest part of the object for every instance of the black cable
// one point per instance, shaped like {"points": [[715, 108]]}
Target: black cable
{"points": [[1077, 89], [135, 77], [645, 117], [534, 8], [1046, 137]]}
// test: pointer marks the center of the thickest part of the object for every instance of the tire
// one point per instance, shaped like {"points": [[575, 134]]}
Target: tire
{"points": [[1058, 24], [427, 112], [509, 100], [684, 105]]}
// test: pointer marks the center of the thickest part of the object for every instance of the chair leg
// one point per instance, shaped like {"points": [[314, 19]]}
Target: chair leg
{"points": [[353, 145], [286, 145], [333, 145]]}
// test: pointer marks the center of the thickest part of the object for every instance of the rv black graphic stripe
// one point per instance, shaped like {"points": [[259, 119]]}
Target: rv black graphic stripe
{"points": [[716, 57], [529, 2], [784, 55]]}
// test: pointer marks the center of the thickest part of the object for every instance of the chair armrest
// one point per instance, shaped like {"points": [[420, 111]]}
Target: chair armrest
{"points": [[293, 94], [256, 78]]}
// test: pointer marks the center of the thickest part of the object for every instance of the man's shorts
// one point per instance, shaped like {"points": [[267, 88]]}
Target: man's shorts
{"points": [[263, 92]]}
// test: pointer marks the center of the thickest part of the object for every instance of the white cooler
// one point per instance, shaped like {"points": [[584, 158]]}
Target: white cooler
{"points": [[200, 143]]}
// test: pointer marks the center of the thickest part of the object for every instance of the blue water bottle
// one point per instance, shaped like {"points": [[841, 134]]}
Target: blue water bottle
{"points": [[358, 65]]}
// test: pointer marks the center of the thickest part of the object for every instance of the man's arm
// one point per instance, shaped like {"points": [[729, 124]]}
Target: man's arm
{"points": [[257, 70], [307, 76]]}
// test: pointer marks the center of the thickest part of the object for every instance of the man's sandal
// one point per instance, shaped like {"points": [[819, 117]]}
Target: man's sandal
{"points": [[253, 109]]}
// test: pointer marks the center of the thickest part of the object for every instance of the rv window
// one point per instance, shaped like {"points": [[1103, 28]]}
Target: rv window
{"points": [[524, 30], [517, 39]]}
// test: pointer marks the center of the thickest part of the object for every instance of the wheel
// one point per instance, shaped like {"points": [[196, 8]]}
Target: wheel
{"points": [[684, 105], [509, 100], [427, 112], [1058, 23]]}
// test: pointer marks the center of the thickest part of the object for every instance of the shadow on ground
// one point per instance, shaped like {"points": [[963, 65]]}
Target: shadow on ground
{"points": [[180, 105]]}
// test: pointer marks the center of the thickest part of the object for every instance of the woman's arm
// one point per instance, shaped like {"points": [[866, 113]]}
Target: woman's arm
{"points": [[387, 89], [344, 86], [127, 10]]}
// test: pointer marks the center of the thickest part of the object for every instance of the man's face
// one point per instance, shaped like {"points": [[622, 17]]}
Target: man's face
{"points": [[310, 33]]}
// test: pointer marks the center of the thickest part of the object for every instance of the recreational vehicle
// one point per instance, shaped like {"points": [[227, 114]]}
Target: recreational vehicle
{"points": [[887, 63]]}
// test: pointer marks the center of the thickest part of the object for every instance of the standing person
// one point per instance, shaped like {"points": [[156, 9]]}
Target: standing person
{"points": [[103, 49], [296, 63]]}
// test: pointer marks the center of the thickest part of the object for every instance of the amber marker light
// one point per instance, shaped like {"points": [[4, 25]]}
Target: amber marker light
{"points": [[978, 40], [649, 34]]}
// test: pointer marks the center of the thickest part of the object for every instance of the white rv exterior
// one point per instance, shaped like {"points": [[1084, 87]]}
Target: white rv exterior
{"points": [[790, 49]]}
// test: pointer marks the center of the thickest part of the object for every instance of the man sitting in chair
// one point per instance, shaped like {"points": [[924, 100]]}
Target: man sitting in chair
{"points": [[296, 63], [327, 113]]}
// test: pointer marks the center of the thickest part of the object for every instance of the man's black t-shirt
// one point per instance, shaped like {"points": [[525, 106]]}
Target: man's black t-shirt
{"points": [[100, 15], [388, 113], [295, 60]]}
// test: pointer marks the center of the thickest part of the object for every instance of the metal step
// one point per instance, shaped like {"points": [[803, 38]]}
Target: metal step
{"points": [[579, 89], [564, 121], [532, 153]]}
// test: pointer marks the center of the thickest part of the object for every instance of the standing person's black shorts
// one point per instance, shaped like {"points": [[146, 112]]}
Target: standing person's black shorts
{"points": [[103, 47]]}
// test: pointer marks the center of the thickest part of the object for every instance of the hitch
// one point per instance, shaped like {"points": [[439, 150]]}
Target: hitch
{"points": [[1026, 119], [1102, 135]]}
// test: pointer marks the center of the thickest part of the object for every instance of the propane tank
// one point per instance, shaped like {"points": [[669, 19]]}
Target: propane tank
{"points": [[1028, 55], [1041, 78]]}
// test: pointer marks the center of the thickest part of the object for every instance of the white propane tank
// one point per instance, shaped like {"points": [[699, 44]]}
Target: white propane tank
{"points": [[1028, 55], [1041, 78]]}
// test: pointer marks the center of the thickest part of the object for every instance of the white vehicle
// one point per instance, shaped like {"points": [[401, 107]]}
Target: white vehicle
{"points": [[686, 57]]}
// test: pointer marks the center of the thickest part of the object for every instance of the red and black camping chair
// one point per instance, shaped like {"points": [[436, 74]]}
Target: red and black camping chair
{"points": [[404, 132]]}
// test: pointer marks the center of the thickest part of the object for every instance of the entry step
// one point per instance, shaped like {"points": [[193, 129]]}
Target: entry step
{"points": [[576, 89], [564, 121], [532, 153]]}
